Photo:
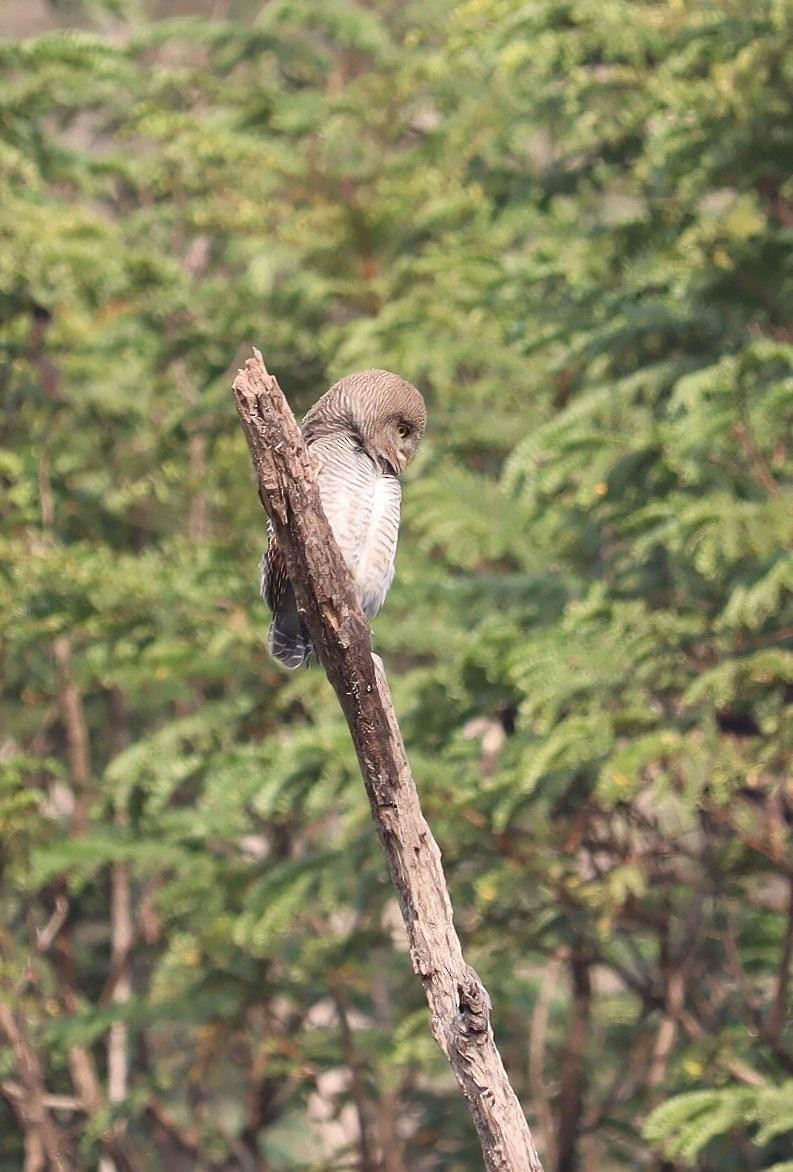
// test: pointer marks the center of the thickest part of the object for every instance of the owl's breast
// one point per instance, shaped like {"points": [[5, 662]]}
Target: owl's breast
{"points": [[374, 571], [362, 505]]}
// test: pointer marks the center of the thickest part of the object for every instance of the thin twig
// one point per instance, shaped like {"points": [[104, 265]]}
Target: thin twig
{"points": [[60, 914]]}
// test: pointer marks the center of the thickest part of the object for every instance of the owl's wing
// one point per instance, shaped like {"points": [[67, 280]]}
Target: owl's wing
{"points": [[288, 639], [362, 506], [272, 571]]}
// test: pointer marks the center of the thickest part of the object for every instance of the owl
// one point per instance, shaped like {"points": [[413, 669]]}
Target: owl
{"points": [[362, 434]]}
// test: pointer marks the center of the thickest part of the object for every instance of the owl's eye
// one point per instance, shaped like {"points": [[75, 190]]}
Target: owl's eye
{"points": [[403, 431]]}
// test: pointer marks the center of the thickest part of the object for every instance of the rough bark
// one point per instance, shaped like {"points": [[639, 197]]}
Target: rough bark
{"points": [[458, 1001]]}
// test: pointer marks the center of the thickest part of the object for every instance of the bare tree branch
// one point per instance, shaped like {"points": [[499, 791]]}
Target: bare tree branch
{"points": [[572, 1083], [78, 743], [44, 1143], [392, 1154], [537, 1040], [122, 930], [776, 1019], [356, 1068], [459, 1003]]}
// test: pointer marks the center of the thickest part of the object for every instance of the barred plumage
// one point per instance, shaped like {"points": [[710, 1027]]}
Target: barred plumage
{"points": [[362, 433]]}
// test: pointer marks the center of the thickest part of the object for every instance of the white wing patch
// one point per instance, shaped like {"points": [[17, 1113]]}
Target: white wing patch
{"points": [[362, 505]]}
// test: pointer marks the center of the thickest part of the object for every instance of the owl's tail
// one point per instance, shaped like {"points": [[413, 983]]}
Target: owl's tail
{"points": [[289, 640]]}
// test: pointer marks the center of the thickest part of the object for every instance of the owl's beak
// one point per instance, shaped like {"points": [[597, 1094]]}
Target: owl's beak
{"points": [[395, 459]]}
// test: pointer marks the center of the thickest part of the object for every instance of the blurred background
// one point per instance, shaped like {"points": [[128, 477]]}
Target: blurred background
{"points": [[571, 225]]}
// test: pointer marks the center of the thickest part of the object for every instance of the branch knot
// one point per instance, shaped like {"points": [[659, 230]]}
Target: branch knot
{"points": [[473, 1005]]}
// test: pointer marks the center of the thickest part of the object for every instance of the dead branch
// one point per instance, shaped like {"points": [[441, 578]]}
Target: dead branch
{"points": [[458, 1001]]}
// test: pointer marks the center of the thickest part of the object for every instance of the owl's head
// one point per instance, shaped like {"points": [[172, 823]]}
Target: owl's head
{"points": [[385, 413]]}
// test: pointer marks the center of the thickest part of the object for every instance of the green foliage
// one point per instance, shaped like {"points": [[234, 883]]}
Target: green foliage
{"points": [[686, 1125], [570, 225]]}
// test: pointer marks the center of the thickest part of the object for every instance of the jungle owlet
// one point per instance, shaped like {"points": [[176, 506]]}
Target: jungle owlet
{"points": [[362, 434]]}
